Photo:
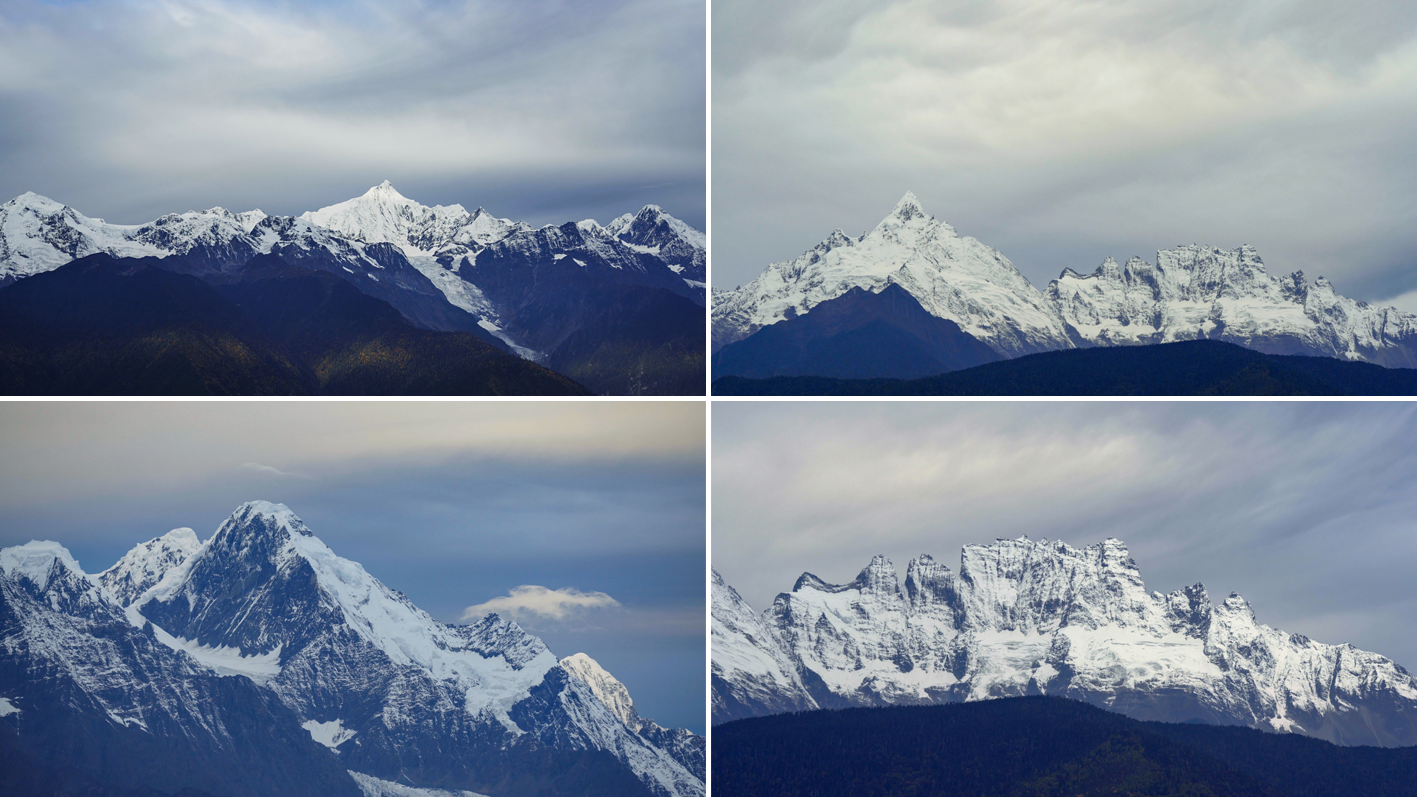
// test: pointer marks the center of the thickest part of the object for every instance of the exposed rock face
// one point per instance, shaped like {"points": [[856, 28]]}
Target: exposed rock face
{"points": [[94, 702], [752, 673], [1024, 617]]}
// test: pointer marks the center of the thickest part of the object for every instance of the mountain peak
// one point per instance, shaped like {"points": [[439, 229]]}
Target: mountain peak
{"points": [[35, 561], [909, 207], [269, 515], [604, 686], [386, 190]]}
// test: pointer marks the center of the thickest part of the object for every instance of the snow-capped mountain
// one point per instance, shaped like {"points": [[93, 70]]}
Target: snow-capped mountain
{"points": [[1193, 292], [140, 569], [383, 215], [655, 232], [1024, 617], [687, 748], [332, 665], [1201, 292], [38, 234], [97, 704], [955, 278], [752, 672], [378, 680], [442, 267]]}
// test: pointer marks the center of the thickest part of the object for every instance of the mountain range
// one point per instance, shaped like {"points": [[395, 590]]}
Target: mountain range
{"points": [[259, 662], [618, 308], [1190, 293], [1026, 617]]}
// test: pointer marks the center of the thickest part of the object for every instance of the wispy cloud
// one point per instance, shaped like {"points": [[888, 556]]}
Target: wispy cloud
{"points": [[291, 106], [540, 602], [274, 471], [1066, 131]]}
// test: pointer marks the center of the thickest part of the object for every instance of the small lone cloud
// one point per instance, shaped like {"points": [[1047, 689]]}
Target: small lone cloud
{"points": [[271, 471], [553, 604]]}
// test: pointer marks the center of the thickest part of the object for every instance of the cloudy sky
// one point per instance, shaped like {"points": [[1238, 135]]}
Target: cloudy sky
{"points": [[1064, 131], [542, 110], [583, 520], [1306, 509]]}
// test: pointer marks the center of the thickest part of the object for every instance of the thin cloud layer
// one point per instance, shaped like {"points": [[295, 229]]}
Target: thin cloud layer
{"points": [[540, 602], [1065, 132], [546, 110], [271, 470], [1265, 499], [83, 450]]}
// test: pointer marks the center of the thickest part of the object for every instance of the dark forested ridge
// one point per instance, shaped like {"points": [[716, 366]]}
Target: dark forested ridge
{"points": [[1036, 747], [107, 326], [1186, 368], [857, 335]]}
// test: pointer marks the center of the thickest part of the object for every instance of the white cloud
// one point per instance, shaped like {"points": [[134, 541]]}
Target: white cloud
{"points": [[540, 602]]}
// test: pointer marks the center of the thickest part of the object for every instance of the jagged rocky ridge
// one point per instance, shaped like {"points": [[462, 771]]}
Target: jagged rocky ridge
{"points": [[442, 267], [372, 679], [1192, 292], [1024, 617], [94, 703]]}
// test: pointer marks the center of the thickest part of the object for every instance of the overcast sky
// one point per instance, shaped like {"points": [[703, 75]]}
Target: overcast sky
{"points": [[1306, 509], [1064, 131], [543, 110], [583, 520]]}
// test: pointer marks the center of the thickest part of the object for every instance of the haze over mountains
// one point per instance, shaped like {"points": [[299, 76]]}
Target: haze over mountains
{"points": [[260, 652], [616, 307], [1191, 292], [1025, 618]]}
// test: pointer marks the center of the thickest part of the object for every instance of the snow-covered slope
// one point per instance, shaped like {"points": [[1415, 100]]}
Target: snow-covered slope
{"points": [[1024, 617], [1192, 292], [140, 569], [432, 264], [103, 700], [354, 656], [1201, 292], [38, 234], [685, 746], [383, 215], [751, 672], [953, 277], [655, 232]]}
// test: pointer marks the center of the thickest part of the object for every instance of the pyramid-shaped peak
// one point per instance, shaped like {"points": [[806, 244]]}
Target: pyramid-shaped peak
{"points": [[385, 190], [267, 516], [907, 213]]}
